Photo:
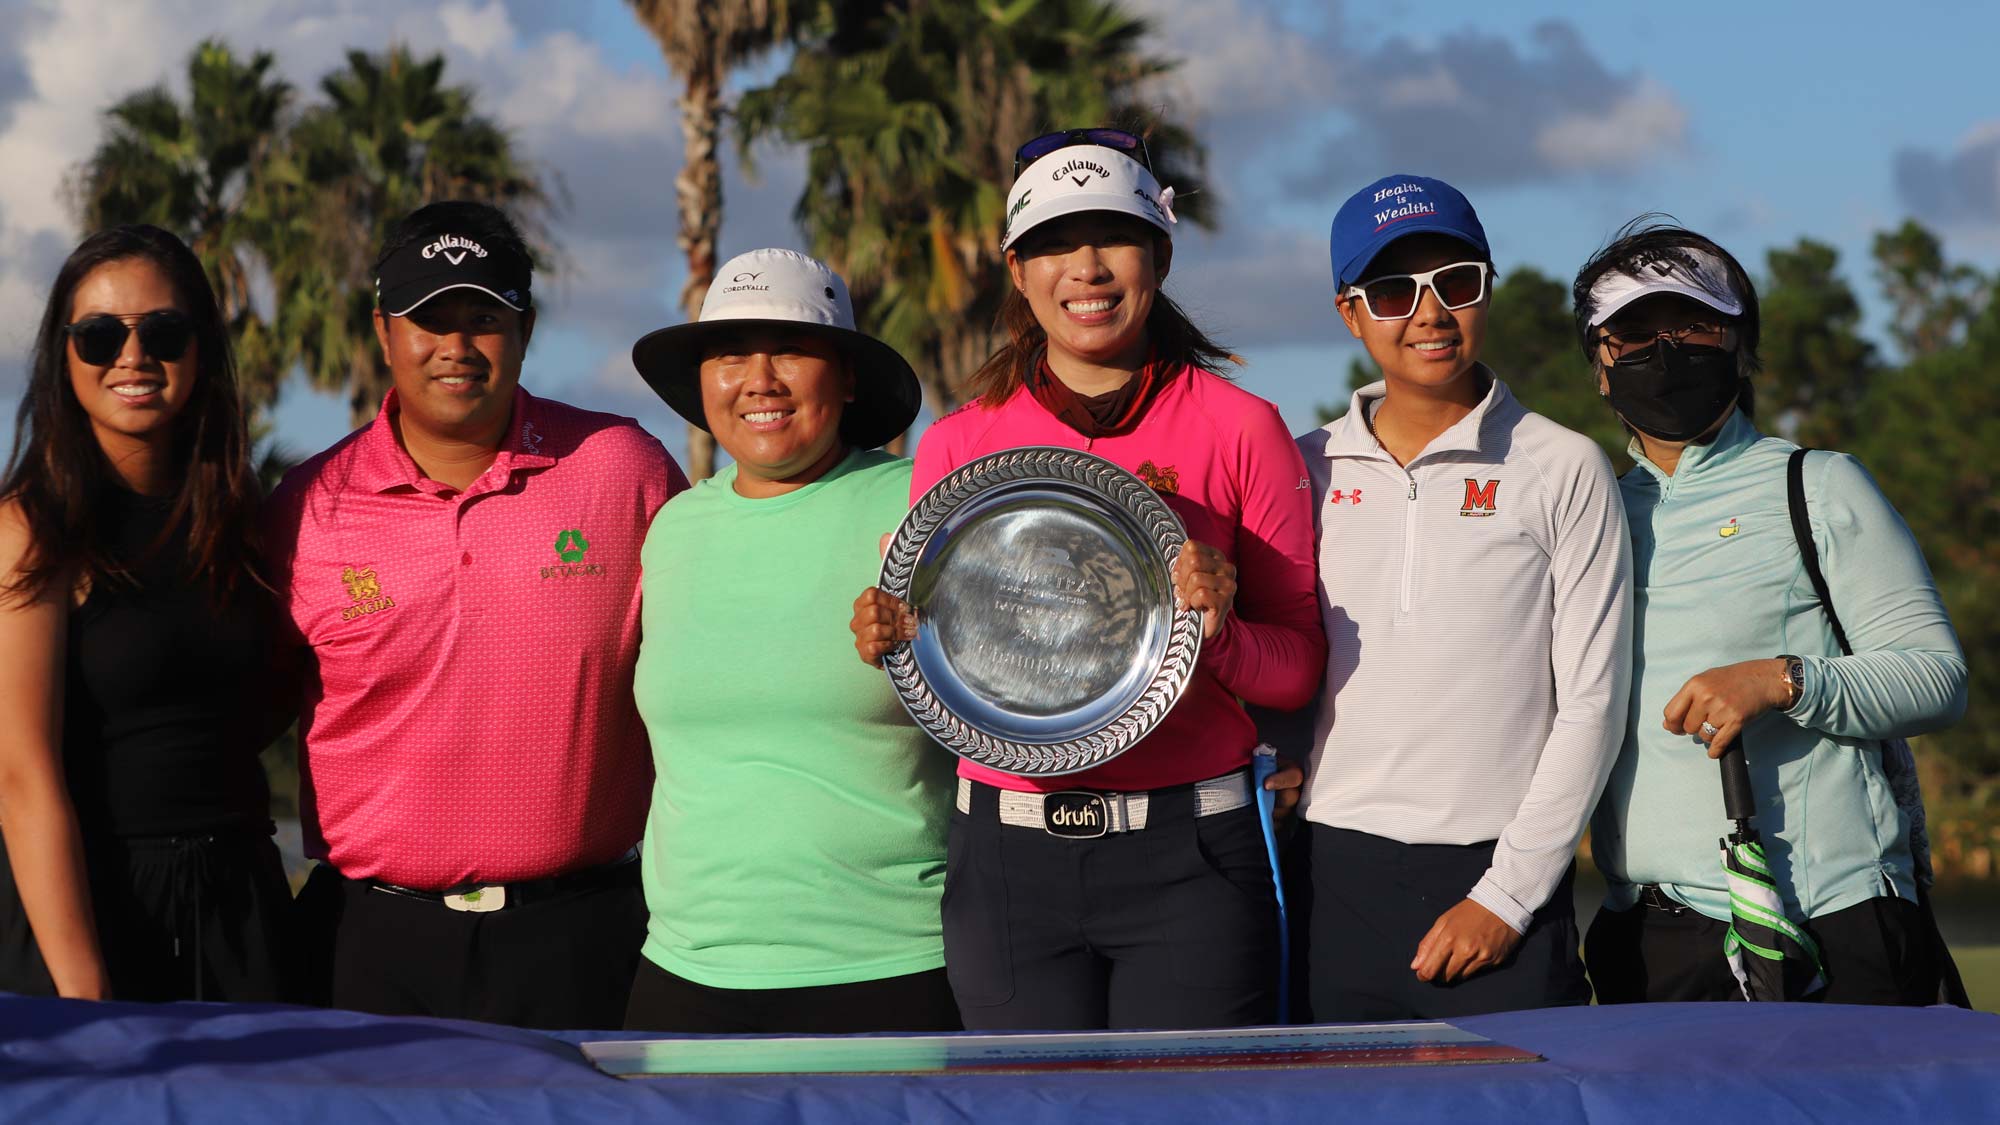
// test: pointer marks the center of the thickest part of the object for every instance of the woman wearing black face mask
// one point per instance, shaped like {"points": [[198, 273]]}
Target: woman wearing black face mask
{"points": [[1736, 649]]}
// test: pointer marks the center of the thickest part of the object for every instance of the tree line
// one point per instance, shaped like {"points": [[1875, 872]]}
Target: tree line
{"points": [[285, 201]]}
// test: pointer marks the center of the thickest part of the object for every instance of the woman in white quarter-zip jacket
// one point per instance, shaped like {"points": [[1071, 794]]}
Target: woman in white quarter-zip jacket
{"points": [[1734, 648], [1473, 584]]}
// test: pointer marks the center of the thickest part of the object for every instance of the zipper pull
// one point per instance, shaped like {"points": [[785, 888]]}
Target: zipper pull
{"points": [[1413, 490]]}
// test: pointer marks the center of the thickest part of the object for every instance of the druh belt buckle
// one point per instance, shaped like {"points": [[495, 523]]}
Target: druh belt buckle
{"points": [[1076, 814], [478, 900]]}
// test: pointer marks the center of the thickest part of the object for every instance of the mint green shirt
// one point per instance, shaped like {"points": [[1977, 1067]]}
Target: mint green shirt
{"points": [[1717, 579], [797, 831]]}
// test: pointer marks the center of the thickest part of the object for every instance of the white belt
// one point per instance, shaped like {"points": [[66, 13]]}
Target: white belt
{"points": [[1086, 813]]}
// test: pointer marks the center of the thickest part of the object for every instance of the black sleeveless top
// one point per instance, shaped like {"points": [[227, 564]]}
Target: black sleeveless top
{"points": [[168, 696]]}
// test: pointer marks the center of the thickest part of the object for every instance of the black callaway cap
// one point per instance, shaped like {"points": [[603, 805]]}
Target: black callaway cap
{"points": [[422, 270]]}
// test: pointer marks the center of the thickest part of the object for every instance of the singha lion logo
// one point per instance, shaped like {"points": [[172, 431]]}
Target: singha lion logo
{"points": [[361, 584], [1160, 479]]}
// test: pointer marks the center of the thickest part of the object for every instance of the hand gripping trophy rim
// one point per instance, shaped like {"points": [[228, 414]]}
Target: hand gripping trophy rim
{"points": [[1030, 466]]}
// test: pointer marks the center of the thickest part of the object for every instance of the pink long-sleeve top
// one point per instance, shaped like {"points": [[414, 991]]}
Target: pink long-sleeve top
{"points": [[1223, 460]]}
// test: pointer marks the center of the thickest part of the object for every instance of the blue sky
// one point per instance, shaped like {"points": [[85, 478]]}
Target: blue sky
{"points": [[1757, 123]]}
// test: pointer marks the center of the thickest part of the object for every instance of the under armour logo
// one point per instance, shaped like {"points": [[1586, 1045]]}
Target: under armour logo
{"points": [[1344, 496]]}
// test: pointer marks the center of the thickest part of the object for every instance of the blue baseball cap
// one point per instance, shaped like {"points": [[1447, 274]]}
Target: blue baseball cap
{"points": [[1392, 207]]}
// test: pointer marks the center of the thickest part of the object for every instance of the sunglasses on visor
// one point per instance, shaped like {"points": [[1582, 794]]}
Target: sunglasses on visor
{"points": [[1115, 139], [164, 335], [1395, 296]]}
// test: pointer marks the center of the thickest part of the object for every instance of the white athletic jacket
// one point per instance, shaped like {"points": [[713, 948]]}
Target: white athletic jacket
{"points": [[1478, 616]]}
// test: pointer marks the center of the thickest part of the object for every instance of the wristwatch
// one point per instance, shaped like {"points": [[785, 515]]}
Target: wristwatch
{"points": [[1795, 679]]}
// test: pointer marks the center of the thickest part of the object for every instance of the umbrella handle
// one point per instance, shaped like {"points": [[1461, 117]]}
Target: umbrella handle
{"points": [[1738, 801]]}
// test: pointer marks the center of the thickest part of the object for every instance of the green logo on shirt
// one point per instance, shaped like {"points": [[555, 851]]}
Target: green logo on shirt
{"points": [[570, 546]]}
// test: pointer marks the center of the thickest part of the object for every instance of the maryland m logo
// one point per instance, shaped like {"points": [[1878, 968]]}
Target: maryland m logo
{"points": [[1480, 500]]}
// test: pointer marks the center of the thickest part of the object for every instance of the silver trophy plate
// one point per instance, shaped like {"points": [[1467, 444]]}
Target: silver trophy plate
{"points": [[1047, 640]]}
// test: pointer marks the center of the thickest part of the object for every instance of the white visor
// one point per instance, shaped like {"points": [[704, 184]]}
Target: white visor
{"points": [[1085, 178], [1705, 280]]}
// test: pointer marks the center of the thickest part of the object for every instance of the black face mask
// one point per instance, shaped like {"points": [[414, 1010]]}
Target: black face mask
{"points": [[1673, 392]]}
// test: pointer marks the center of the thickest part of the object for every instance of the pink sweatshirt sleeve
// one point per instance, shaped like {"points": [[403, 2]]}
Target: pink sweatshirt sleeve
{"points": [[1272, 653]]}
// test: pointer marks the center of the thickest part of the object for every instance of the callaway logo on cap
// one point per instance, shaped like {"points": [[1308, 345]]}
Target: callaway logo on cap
{"points": [[1685, 271], [1085, 178], [454, 248], [422, 270], [784, 291]]}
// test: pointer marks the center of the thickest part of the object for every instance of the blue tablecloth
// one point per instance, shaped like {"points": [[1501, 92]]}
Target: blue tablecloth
{"points": [[1685, 1063]]}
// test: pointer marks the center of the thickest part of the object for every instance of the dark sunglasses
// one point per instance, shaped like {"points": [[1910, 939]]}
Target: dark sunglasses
{"points": [[1637, 343], [1116, 139], [99, 339], [1395, 296]]}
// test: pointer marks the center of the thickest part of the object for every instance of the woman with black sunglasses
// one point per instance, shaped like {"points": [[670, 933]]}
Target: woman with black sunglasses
{"points": [[1165, 916], [134, 650]]}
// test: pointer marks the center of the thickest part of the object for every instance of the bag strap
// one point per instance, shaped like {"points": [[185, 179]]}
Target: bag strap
{"points": [[1795, 488], [1951, 986]]}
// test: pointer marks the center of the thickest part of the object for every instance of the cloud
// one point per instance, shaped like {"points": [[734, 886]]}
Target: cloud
{"points": [[1300, 104], [1475, 108], [1645, 121], [1469, 105], [1238, 58], [1257, 288], [16, 82], [1962, 186]]}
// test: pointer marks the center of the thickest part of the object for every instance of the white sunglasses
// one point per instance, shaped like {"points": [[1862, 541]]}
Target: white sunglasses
{"points": [[1395, 296]]}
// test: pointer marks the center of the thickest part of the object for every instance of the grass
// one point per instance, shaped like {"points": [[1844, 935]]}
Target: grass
{"points": [[1980, 966]]}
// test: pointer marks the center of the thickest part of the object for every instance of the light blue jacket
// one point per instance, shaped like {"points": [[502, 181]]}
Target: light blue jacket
{"points": [[1717, 578]]}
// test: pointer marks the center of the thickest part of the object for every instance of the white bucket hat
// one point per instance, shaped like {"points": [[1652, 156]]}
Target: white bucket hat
{"points": [[785, 290], [1701, 276], [1085, 178]]}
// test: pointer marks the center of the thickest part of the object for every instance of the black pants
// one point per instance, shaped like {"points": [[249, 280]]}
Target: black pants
{"points": [[200, 917], [1373, 901], [1171, 926], [662, 1001], [559, 963], [1874, 952]]}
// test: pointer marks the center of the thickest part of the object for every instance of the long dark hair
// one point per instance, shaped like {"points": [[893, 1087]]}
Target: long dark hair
{"points": [[1174, 338], [58, 469], [1655, 237]]}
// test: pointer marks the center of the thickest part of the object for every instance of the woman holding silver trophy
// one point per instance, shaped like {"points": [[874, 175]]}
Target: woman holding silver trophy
{"points": [[1136, 892]]}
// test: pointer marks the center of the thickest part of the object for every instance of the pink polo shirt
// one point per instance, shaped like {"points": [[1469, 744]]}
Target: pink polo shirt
{"points": [[471, 717], [1223, 460]]}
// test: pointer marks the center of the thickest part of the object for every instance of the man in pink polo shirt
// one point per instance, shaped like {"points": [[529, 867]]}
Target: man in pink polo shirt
{"points": [[465, 574]]}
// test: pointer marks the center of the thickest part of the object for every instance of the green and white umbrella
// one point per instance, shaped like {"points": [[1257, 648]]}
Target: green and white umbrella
{"points": [[1773, 958]]}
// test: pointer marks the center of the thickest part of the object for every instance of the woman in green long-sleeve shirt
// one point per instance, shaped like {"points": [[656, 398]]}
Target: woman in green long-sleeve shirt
{"points": [[1734, 648]]}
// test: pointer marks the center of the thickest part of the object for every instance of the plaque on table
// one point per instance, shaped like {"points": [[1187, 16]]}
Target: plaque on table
{"points": [[1047, 639], [1113, 1052]]}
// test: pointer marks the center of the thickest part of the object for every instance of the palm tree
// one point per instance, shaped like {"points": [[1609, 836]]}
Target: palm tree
{"points": [[702, 41], [910, 125], [193, 168], [391, 137]]}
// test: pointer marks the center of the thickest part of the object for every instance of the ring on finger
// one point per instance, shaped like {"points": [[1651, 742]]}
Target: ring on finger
{"points": [[1709, 731]]}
